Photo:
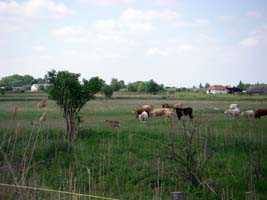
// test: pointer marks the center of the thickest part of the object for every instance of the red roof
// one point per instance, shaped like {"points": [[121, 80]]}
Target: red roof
{"points": [[217, 87]]}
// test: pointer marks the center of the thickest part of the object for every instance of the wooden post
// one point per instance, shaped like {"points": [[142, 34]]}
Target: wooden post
{"points": [[178, 196]]}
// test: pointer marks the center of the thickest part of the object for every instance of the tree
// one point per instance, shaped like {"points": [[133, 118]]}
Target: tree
{"points": [[16, 81], [243, 86], [116, 84], [133, 87], [200, 86], [2, 91], [207, 85], [108, 91], [71, 96]]}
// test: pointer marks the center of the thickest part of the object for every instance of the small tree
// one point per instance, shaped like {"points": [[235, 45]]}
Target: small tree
{"points": [[2, 91], [71, 95], [108, 91]]}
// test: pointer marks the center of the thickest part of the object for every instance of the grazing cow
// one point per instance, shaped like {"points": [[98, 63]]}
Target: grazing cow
{"points": [[260, 112], [169, 113], [139, 111], [248, 114], [147, 108], [162, 112], [166, 105], [184, 112], [158, 112], [233, 106], [143, 116], [113, 123], [233, 112]]}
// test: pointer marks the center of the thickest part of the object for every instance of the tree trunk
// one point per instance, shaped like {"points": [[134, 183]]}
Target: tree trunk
{"points": [[71, 127]]}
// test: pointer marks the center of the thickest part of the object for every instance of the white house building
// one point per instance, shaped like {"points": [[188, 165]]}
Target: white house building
{"points": [[217, 89]]}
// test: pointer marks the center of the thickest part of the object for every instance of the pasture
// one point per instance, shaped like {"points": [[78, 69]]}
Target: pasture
{"points": [[136, 160]]}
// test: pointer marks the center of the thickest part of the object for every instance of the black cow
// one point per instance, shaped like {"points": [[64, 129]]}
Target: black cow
{"points": [[184, 112]]}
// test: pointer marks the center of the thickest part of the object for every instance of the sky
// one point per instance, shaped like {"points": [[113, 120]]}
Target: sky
{"points": [[174, 42]]}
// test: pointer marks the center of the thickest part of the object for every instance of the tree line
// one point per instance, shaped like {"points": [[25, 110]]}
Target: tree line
{"points": [[150, 86]]}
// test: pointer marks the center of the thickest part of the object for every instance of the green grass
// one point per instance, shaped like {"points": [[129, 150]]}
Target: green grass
{"points": [[133, 162]]}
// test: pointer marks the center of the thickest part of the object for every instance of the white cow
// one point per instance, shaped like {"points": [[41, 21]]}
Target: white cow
{"points": [[233, 112], [143, 116], [248, 114], [233, 106]]}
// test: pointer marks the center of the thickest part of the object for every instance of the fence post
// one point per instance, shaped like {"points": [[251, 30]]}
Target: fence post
{"points": [[178, 196]]}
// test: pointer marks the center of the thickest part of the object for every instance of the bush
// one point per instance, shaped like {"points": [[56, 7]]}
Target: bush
{"points": [[108, 91]]}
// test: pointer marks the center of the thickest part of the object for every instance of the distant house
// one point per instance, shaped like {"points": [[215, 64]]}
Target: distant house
{"points": [[217, 89], [38, 87], [257, 89], [21, 88]]}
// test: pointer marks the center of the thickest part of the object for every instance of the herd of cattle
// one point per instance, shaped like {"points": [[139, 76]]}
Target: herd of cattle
{"points": [[167, 110], [178, 110]]}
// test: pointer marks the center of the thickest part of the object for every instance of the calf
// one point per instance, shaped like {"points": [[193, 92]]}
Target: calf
{"points": [[184, 112], [143, 116], [139, 111], [260, 112]]}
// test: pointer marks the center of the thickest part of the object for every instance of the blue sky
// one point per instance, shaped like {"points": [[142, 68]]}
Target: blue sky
{"points": [[175, 42]]}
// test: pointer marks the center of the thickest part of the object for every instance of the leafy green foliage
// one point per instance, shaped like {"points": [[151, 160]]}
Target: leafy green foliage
{"points": [[71, 95], [108, 91], [16, 80], [146, 86], [2, 91], [117, 85], [243, 86]]}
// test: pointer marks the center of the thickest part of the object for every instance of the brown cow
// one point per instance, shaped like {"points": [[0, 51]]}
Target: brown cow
{"points": [[158, 112], [166, 105], [260, 112], [147, 108]]}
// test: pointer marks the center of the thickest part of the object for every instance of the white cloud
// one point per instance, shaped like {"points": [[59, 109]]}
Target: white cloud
{"points": [[165, 2], [257, 37], [249, 42], [133, 15], [34, 9], [39, 48], [156, 52], [108, 2], [130, 25], [195, 23], [226, 18], [254, 14], [68, 31]]}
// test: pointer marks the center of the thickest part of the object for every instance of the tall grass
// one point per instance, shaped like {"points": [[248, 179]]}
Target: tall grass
{"points": [[134, 161]]}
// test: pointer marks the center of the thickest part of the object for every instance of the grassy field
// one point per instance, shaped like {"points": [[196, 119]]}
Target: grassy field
{"points": [[138, 160]]}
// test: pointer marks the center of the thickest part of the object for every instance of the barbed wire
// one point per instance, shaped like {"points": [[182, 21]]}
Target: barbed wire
{"points": [[56, 191]]}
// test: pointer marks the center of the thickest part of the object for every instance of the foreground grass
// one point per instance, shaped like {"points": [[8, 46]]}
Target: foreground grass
{"points": [[134, 161]]}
